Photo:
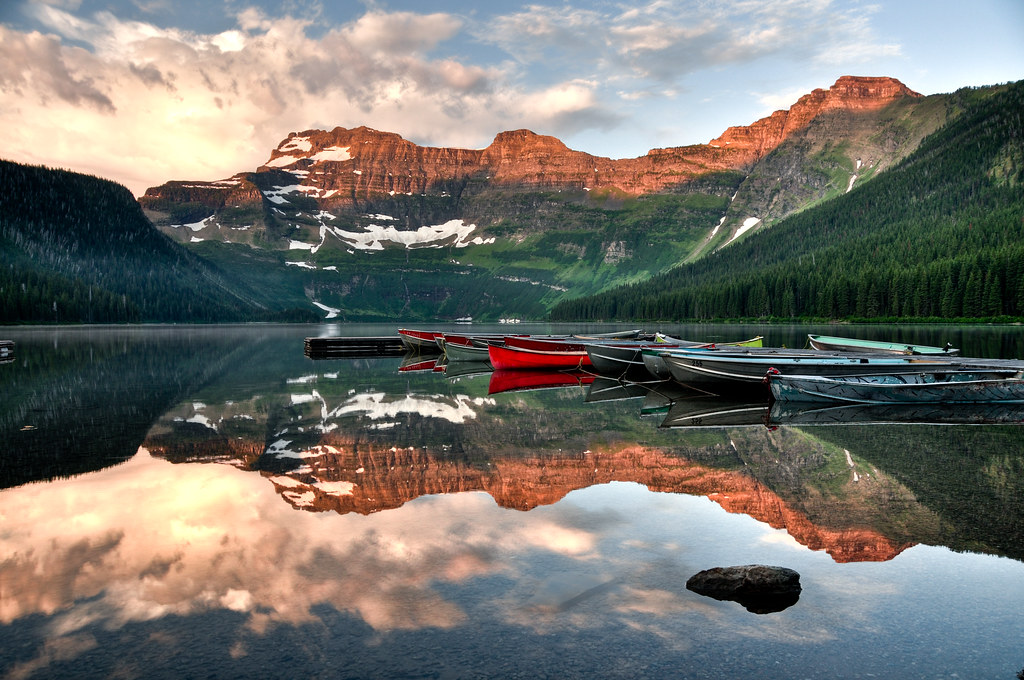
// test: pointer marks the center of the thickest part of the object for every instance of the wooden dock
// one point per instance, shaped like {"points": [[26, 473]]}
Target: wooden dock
{"points": [[352, 347]]}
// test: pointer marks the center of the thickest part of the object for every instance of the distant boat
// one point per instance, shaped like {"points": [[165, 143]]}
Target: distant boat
{"points": [[970, 386], [830, 343]]}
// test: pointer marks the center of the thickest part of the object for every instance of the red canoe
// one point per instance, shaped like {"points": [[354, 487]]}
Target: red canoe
{"points": [[518, 353]]}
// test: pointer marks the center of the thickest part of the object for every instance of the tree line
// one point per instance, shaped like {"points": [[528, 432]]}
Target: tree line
{"points": [[75, 248], [939, 236]]}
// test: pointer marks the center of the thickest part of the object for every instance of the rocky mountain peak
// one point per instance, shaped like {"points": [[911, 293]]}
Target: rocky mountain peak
{"points": [[872, 92], [849, 93], [515, 142], [365, 171]]}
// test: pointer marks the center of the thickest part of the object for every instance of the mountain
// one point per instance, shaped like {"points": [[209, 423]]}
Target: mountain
{"points": [[383, 228], [75, 248], [906, 207], [938, 236]]}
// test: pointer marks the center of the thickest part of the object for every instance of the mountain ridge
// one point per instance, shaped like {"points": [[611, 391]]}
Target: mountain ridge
{"points": [[364, 225], [342, 166]]}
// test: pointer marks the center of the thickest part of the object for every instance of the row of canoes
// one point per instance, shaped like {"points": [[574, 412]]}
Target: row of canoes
{"points": [[836, 370], [682, 406], [851, 377], [607, 353]]}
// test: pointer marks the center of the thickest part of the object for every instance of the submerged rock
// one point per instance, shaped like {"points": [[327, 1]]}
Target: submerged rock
{"points": [[760, 588]]}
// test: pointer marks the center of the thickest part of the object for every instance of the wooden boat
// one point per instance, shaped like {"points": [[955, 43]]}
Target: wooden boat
{"points": [[532, 353], [553, 352], [654, 359], [458, 351], [655, 363], [432, 342], [830, 343], [736, 368], [467, 347], [656, 366], [6, 351], [420, 341], [616, 359], [936, 387]]}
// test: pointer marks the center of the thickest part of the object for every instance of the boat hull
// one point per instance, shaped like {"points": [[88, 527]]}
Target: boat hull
{"points": [[917, 388], [730, 369], [456, 352], [834, 344], [625, 358], [467, 347], [420, 341], [505, 357]]}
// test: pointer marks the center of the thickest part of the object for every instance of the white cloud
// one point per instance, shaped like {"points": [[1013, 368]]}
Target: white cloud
{"points": [[142, 104], [666, 41]]}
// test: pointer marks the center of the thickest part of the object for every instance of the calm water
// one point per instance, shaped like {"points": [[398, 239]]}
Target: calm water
{"points": [[208, 502]]}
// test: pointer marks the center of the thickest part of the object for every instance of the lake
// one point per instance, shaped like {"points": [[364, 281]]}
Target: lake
{"points": [[180, 502]]}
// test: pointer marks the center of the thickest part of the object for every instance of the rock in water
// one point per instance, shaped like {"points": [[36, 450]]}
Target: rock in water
{"points": [[761, 589]]}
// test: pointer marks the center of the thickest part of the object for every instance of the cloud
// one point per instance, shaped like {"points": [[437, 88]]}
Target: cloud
{"points": [[666, 41], [144, 105], [36, 62], [195, 557], [141, 104]]}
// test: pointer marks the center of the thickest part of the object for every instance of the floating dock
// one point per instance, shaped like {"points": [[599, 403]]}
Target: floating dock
{"points": [[351, 347]]}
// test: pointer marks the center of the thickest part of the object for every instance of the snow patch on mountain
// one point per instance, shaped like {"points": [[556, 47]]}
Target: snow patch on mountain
{"points": [[432, 236], [333, 153], [748, 224]]}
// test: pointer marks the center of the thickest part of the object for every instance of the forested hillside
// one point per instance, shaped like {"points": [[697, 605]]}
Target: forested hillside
{"points": [[940, 235], [75, 248]]}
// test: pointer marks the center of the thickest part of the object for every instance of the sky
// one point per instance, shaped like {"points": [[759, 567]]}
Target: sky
{"points": [[147, 91]]}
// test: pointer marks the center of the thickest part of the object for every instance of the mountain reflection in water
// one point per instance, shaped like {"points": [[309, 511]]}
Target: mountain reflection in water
{"points": [[327, 503]]}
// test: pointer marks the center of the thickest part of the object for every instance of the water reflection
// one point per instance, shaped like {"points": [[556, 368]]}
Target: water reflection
{"points": [[347, 517]]}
